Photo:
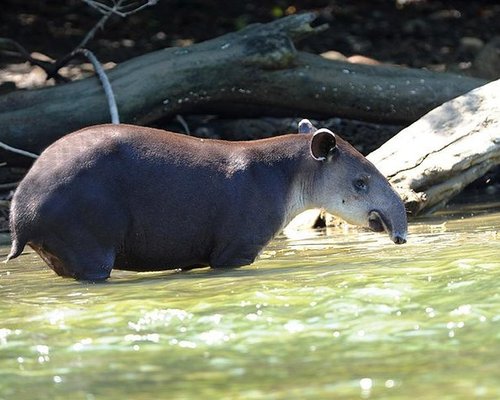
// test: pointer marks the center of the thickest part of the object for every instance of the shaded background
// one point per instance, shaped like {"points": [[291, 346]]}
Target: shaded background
{"points": [[440, 35]]}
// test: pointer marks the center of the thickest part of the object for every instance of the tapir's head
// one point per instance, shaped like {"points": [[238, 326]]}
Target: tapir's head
{"points": [[353, 189]]}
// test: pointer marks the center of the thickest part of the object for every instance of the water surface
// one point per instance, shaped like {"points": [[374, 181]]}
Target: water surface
{"points": [[341, 315]]}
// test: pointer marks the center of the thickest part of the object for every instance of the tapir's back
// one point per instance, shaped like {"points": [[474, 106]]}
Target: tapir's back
{"points": [[126, 159]]}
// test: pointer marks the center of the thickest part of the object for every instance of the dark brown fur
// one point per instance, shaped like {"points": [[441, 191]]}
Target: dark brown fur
{"points": [[143, 199]]}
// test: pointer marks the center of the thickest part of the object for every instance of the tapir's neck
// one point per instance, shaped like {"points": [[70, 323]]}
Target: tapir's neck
{"points": [[298, 201], [302, 193], [289, 158]]}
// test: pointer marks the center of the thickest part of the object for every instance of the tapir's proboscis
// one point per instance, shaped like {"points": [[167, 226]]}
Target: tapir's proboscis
{"points": [[143, 199]]}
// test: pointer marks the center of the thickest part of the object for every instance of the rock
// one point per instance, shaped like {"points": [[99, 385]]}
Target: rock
{"points": [[359, 59], [487, 63], [306, 220], [433, 159], [471, 44], [334, 55], [355, 59]]}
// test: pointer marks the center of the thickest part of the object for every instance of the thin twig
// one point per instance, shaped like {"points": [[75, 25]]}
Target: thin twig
{"points": [[110, 96], [100, 23], [20, 51], [149, 3], [8, 186], [113, 109], [104, 8], [118, 8], [180, 119], [90, 35], [52, 68], [18, 151], [107, 12]]}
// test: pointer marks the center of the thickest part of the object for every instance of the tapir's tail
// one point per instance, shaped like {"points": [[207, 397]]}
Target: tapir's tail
{"points": [[17, 230], [16, 249]]}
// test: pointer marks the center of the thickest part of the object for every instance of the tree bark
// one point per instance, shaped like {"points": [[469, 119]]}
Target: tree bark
{"points": [[433, 159], [256, 71]]}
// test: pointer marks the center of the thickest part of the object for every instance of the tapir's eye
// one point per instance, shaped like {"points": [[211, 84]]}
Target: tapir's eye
{"points": [[361, 184]]}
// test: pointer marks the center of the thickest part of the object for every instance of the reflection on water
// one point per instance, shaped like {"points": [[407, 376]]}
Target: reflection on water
{"points": [[342, 315]]}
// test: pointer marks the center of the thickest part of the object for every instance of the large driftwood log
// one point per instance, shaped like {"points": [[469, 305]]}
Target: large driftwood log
{"points": [[256, 71], [433, 159]]}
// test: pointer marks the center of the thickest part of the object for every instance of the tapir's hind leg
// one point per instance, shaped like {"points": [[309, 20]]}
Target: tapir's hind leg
{"points": [[82, 262]]}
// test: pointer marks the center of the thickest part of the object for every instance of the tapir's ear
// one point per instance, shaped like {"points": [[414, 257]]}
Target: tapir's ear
{"points": [[323, 143], [305, 126]]}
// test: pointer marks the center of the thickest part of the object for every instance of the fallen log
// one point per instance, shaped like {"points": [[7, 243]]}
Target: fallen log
{"points": [[433, 159], [256, 71]]}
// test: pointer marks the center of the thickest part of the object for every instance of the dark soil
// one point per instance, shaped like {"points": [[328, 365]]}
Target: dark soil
{"points": [[434, 33]]}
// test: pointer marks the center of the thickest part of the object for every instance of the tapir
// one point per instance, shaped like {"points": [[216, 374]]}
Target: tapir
{"points": [[142, 199]]}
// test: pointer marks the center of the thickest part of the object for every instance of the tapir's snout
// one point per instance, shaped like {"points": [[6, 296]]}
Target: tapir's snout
{"points": [[399, 239], [395, 224]]}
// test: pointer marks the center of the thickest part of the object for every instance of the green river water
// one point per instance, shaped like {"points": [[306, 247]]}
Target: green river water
{"points": [[341, 315]]}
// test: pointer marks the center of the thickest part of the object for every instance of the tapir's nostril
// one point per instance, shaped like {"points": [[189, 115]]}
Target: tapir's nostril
{"points": [[399, 239]]}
